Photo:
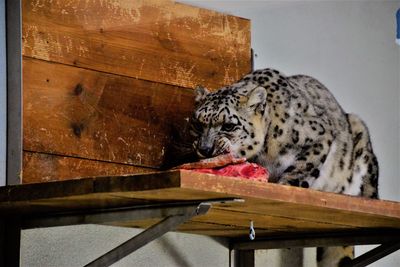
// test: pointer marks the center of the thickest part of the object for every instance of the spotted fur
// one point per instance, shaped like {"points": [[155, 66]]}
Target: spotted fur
{"points": [[295, 128]]}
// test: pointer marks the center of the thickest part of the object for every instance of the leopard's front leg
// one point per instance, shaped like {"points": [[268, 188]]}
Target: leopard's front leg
{"points": [[306, 167]]}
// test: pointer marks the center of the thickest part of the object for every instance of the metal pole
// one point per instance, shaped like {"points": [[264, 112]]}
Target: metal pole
{"points": [[148, 235], [10, 238], [14, 92], [374, 255], [244, 258]]}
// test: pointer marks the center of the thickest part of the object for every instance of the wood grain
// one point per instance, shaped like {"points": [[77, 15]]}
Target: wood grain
{"points": [[155, 40], [288, 201], [275, 209], [88, 114], [40, 167], [218, 229]]}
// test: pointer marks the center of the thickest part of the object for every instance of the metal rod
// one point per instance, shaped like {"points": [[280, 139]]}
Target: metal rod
{"points": [[374, 254], [321, 240], [14, 92], [148, 235]]}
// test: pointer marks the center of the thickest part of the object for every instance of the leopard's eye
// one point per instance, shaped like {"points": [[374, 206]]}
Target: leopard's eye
{"points": [[197, 126], [227, 127]]}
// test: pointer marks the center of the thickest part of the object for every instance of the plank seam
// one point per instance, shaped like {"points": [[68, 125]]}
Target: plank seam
{"points": [[96, 160], [290, 218], [104, 72]]}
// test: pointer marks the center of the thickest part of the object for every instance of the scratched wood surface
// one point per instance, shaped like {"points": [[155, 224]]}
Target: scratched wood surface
{"points": [[274, 209], [40, 167], [94, 115], [109, 81], [156, 40]]}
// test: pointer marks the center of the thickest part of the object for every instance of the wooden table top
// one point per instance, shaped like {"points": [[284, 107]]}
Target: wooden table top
{"points": [[274, 209]]}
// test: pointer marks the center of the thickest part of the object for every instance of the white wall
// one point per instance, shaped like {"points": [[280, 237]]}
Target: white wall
{"points": [[349, 46]]}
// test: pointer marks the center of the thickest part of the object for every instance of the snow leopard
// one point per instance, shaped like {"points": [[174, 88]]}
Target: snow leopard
{"points": [[294, 127]]}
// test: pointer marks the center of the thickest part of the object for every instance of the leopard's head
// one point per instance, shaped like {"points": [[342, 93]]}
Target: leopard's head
{"points": [[232, 119]]}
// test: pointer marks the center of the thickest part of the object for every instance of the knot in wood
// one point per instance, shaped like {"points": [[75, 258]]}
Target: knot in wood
{"points": [[78, 89]]}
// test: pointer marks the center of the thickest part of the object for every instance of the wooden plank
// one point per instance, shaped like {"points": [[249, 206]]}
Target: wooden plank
{"points": [[287, 201], [218, 219], [287, 194], [280, 210], [264, 221], [40, 167], [275, 209], [87, 114], [86, 193], [155, 40], [194, 227]]}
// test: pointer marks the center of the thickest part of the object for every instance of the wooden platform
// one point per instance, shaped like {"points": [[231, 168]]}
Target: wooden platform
{"points": [[276, 210]]}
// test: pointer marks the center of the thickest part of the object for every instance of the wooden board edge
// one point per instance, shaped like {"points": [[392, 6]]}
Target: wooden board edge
{"points": [[90, 185], [269, 191]]}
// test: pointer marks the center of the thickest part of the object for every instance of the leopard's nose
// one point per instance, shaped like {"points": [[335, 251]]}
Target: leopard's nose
{"points": [[205, 150]]}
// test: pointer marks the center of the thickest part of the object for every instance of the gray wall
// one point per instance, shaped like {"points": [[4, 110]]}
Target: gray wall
{"points": [[3, 95], [78, 245], [349, 46]]}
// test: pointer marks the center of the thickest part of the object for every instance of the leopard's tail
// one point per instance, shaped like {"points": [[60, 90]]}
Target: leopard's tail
{"points": [[365, 164], [365, 177]]}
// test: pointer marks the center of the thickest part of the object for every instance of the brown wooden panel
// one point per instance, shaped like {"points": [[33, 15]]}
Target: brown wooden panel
{"points": [[155, 40], [39, 167], [75, 112], [275, 209]]}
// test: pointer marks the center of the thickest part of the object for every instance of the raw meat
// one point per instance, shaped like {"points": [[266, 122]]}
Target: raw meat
{"points": [[228, 165], [247, 170], [218, 161]]}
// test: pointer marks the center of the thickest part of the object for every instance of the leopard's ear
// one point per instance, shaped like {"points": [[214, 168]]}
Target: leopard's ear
{"points": [[257, 99], [200, 93]]}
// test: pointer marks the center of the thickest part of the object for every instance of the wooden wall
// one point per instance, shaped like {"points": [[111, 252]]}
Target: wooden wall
{"points": [[106, 82]]}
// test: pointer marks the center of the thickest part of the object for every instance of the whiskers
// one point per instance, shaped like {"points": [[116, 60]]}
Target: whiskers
{"points": [[223, 146]]}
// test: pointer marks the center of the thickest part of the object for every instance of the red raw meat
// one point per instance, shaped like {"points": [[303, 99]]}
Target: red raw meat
{"points": [[246, 170], [228, 165]]}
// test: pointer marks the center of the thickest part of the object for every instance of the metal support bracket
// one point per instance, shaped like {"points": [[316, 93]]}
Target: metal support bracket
{"points": [[171, 214], [390, 243], [169, 223], [374, 254]]}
